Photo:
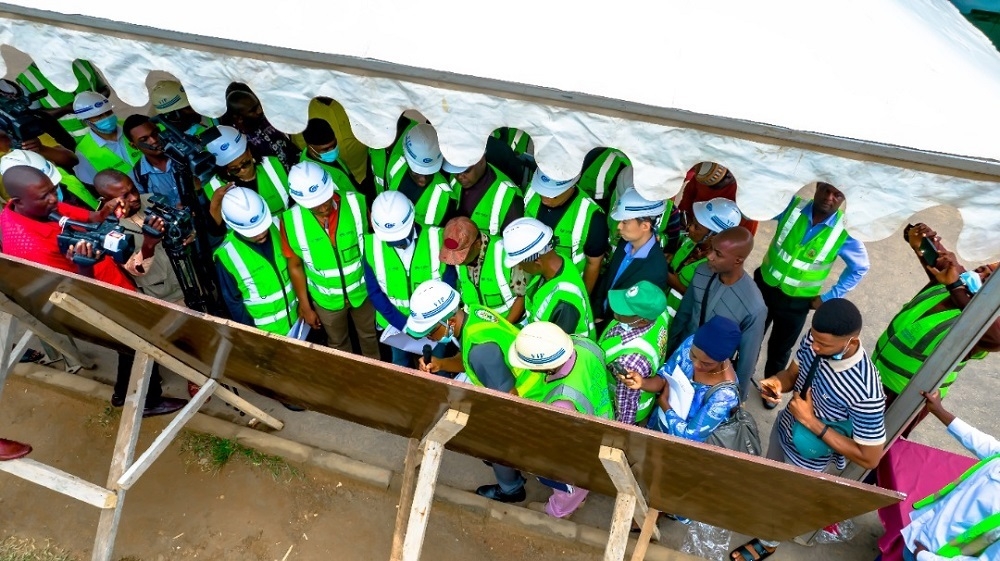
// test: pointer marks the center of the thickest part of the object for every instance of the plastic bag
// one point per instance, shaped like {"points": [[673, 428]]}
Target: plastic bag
{"points": [[841, 532], [707, 541]]}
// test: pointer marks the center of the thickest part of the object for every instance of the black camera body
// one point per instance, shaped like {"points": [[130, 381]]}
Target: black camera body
{"points": [[108, 238], [19, 120], [178, 222], [186, 149]]}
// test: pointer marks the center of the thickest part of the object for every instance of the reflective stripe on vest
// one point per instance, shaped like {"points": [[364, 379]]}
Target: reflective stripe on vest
{"points": [[101, 157], [596, 180], [34, 81], [331, 271], [782, 266], [494, 290], [432, 205], [395, 280], [572, 228], [911, 337], [272, 185], [493, 207], [976, 539], [76, 187], [651, 345], [585, 386], [483, 325], [567, 287], [517, 139], [270, 300], [381, 157]]}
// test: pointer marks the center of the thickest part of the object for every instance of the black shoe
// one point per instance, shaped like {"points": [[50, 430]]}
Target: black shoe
{"points": [[166, 406], [291, 407], [117, 400], [767, 404], [495, 493]]}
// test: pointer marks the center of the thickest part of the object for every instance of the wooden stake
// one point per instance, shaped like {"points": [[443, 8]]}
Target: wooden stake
{"points": [[61, 343], [630, 505], [410, 465], [648, 525], [60, 482]]}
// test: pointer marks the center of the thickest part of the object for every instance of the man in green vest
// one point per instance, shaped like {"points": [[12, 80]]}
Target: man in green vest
{"points": [[416, 173], [485, 195], [917, 330], [579, 225], [601, 170], [69, 188], [58, 103], [267, 178], [321, 237], [482, 335], [635, 341], [105, 144], [483, 278], [381, 159], [566, 373], [809, 237], [399, 255], [323, 148], [555, 291], [961, 522], [170, 102]]}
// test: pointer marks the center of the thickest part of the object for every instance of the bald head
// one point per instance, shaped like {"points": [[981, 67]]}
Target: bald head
{"points": [[730, 249], [20, 178], [107, 179], [739, 239], [31, 191]]}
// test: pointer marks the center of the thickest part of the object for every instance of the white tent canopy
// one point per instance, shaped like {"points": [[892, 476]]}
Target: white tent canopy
{"points": [[893, 101]]}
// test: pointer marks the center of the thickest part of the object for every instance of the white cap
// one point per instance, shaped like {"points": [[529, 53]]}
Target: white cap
{"points": [[168, 96], [449, 167], [541, 345], [524, 240], [90, 104], [310, 184], [30, 159], [717, 214], [421, 149], [392, 216], [245, 212], [633, 205], [230, 145], [548, 187], [432, 302]]}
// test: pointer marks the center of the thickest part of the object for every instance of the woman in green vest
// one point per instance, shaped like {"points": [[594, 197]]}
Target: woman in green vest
{"points": [[239, 168]]}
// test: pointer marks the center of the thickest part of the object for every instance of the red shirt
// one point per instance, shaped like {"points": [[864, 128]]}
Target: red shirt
{"points": [[695, 192], [35, 241]]}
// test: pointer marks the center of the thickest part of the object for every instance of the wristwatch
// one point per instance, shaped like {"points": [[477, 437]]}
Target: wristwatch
{"points": [[956, 284]]}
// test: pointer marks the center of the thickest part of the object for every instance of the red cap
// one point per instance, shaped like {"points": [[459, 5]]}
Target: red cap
{"points": [[459, 235]]}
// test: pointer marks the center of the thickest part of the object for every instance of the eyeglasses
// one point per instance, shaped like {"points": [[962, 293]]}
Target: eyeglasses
{"points": [[236, 168]]}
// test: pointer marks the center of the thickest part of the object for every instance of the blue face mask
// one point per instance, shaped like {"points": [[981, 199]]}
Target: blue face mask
{"points": [[192, 130], [106, 125], [971, 281], [329, 156], [449, 336], [840, 355], [59, 193]]}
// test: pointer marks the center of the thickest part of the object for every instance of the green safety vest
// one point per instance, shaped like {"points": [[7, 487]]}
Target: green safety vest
{"points": [[384, 159], [483, 325], [652, 345], [661, 225], [75, 186], [272, 184], [542, 296], [432, 206], [571, 230], [597, 181], [911, 338], [266, 287], [494, 206], [33, 81], [341, 176], [518, 140], [396, 281], [798, 268], [493, 290], [102, 158], [334, 273], [585, 386], [973, 541], [677, 264]]}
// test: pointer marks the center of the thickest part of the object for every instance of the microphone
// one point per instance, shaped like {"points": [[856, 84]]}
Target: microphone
{"points": [[427, 354]]}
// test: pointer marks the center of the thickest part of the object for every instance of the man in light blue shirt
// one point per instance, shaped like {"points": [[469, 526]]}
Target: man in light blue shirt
{"points": [[154, 172]]}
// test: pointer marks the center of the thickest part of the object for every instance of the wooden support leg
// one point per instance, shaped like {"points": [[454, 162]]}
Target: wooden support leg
{"points": [[421, 493], [128, 438], [133, 340], [629, 505], [648, 526], [61, 343]]}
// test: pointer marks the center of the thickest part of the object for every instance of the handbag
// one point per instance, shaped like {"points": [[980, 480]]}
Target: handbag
{"points": [[739, 432]]}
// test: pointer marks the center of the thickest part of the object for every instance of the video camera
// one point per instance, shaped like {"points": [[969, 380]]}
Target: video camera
{"points": [[18, 119], [108, 238], [186, 150], [179, 222]]}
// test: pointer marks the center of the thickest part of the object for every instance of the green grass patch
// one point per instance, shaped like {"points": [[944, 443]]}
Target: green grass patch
{"points": [[212, 453], [14, 548], [106, 421]]}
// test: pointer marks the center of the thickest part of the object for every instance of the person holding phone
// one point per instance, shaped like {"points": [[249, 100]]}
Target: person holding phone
{"points": [[916, 331]]}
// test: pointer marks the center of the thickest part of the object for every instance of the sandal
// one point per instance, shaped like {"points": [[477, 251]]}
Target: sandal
{"points": [[31, 355], [753, 550]]}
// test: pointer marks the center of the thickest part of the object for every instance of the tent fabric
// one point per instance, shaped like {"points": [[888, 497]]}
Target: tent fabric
{"points": [[908, 73]]}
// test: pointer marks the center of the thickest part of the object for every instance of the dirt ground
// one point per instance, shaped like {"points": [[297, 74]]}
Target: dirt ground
{"points": [[179, 511]]}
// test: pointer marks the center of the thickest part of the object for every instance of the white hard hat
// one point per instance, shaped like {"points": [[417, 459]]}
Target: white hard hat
{"points": [[421, 149], [432, 302], [392, 216], [541, 345], [30, 159], [168, 96], [310, 184], [90, 104], [717, 214], [548, 187], [245, 212], [524, 240], [230, 145], [633, 205], [449, 167]]}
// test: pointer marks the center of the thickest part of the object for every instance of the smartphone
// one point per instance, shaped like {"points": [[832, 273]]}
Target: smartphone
{"points": [[928, 252], [760, 390], [618, 371]]}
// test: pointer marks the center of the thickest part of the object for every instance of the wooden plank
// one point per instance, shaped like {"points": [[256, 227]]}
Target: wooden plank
{"points": [[616, 464], [423, 496], [447, 427], [136, 342], [410, 465], [648, 525], [621, 523], [121, 459], [145, 461], [45, 333], [18, 351], [686, 478], [60, 482], [8, 330]]}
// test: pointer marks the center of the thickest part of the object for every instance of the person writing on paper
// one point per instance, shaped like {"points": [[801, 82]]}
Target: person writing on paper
{"points": [[688, 406]]}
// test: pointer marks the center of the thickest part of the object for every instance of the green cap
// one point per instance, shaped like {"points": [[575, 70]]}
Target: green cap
{"points": [[643, 299]]}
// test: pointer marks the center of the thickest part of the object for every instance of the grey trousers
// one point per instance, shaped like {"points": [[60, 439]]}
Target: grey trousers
{"points": [[335, 325]]}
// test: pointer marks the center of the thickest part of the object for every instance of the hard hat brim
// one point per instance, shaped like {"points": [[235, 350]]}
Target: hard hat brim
{"points": [[255, 230], [449, 167], [422, 168], [550, 191], [516, 362]]}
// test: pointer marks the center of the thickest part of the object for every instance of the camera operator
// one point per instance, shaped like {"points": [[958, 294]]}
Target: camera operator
{"points": [[154, 172], [70, 189], [55, 133], [28, 231]]}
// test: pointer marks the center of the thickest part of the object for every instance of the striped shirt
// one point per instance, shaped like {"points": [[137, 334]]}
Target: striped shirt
{"points": [[841, 390], [627, 400]]}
